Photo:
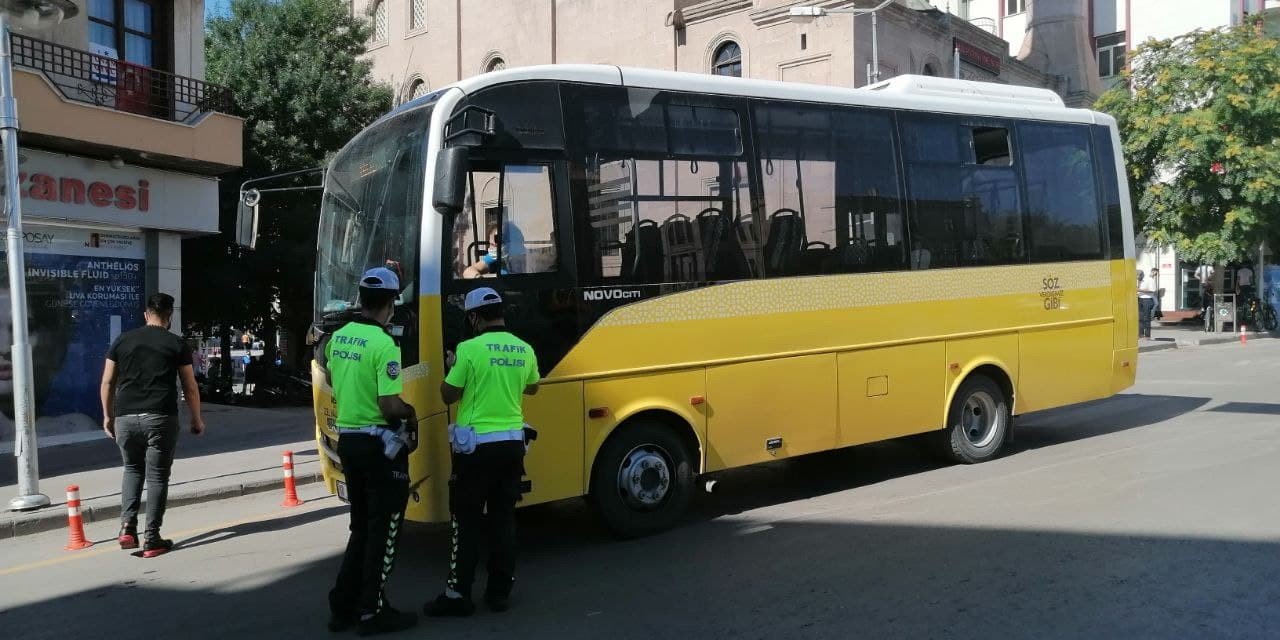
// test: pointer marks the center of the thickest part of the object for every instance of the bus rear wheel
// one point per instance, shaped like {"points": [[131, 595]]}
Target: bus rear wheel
{"points": [[977, 422], [642, 480]]}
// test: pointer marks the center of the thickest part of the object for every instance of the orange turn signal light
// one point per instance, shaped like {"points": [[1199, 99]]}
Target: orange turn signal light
{"points": [[598, 412], [697, 400]]}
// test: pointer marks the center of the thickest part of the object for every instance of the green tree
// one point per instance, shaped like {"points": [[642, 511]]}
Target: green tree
{"points": [[295, 70], [1200, 122]]}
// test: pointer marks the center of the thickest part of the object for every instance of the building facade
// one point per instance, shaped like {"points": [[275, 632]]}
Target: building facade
{"points": [[121, 144], [419, 45], [1116, 28]]}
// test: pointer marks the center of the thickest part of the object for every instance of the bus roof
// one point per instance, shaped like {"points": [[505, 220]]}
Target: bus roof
{"points": [[911, 92]]}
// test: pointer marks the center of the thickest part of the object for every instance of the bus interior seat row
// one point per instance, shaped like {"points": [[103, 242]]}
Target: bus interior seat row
{"points": [[714, 247]]}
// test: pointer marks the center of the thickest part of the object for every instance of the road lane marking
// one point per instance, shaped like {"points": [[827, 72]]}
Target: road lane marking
{"points": [[109, 545]]}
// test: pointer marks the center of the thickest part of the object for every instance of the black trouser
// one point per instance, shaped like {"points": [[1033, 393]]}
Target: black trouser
{"points": [[378, 489], [483, 491], [147, 442]]}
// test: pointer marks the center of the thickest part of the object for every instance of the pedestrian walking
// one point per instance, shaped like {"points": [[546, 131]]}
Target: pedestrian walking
{"points": [[489, 374], [1146, 302], [362, 360], [140, 412]]}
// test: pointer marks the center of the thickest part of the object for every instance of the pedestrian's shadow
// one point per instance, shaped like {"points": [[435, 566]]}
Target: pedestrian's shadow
{"points": [[258, 526]]}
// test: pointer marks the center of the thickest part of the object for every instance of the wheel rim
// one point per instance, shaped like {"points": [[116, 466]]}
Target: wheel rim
{"points": [[980, 420], [644, 477]]}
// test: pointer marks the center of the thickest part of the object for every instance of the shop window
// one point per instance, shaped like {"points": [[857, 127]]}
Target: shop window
{"points": [[1063, 216], [508, 224], [830, 187], [727, 60], [965, 204], [1111, 54]]}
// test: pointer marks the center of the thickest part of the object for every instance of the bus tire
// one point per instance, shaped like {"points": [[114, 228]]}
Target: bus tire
{"points": [[977, 422], [642, 480]]}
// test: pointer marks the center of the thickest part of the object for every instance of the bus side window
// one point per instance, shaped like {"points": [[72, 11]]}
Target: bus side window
{"points": [[508, 224], [830, 187]]}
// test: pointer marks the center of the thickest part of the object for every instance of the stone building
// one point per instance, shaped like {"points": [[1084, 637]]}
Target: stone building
{"points": [[418, 45]]}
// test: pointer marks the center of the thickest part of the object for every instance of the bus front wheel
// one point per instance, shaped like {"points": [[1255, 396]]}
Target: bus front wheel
{"points": [[642, 480], [977, 421]]}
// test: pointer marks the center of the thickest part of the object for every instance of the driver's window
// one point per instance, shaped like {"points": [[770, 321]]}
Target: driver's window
{"points": [[508, 224]]}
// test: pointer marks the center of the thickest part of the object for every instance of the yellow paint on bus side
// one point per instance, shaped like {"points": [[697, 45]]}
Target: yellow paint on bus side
{"points": [[805, 364]]}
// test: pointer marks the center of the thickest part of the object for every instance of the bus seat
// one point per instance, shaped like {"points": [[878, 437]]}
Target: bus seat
{"points": [[642, 253], [784, 243], [722, 252], [680, 250]]}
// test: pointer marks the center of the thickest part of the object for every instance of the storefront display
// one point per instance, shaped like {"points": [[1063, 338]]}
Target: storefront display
{"points": [[84, 288]]}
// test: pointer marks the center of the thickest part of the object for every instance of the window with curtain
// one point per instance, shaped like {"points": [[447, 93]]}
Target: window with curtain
{"points": [[129, 30]]}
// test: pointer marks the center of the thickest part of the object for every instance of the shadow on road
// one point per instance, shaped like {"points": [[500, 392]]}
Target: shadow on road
{"points": [[719, 580], [1260, 408], [227, 534]]}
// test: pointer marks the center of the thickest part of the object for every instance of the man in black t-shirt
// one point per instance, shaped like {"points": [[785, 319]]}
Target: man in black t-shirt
{"points": [[140, 412]]}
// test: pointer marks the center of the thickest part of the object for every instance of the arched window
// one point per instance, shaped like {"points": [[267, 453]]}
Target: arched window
{"points": [[417, 89], [417, 14], [929, 70], [379, 21], [728, 60], [496, 64]]}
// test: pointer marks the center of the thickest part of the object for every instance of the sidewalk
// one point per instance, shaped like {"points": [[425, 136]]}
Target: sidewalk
{"points": [[238, 454], [1183, 334]]}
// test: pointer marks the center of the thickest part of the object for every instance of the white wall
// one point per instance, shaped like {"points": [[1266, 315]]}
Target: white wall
{"points": [[1015, 29], [1108, 16], [1168, 18]]}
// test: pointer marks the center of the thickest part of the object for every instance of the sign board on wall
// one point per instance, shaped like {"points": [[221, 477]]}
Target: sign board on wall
{"points": [[71, 188], [84, 288], [977, 56]]}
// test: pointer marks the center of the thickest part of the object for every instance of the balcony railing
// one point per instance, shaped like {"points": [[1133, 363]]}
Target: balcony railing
{"points": [[106, 82]]}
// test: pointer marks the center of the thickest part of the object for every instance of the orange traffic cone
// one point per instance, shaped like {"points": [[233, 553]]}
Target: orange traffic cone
{"points": [[290, 491], [75, 523], [1244, 334]]}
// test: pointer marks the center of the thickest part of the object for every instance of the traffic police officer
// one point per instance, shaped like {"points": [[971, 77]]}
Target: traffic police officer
{"points": [[363, 364], [488, 374]]}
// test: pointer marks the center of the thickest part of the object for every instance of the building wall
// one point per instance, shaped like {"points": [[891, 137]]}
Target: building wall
{"points": [[835, 49]]}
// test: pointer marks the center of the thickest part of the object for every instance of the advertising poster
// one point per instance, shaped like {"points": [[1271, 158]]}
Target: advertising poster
{"points": [[83, 289]]}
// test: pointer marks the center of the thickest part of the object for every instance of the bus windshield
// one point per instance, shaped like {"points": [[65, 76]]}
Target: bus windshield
{"points": [[371, 212]]}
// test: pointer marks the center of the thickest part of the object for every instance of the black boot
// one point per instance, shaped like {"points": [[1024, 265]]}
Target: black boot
{"points": [[446, 607], [388, 620]]}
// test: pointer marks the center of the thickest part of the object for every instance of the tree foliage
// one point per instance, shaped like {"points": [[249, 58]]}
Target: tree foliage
{"points": [[1200, 124], [295, 70]]}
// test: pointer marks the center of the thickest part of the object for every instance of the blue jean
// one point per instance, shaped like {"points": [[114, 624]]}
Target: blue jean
{"points": [[1145, 307]]}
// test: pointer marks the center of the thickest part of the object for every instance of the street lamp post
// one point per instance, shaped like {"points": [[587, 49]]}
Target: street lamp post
{"points": [[33, 14], [811, 12]]}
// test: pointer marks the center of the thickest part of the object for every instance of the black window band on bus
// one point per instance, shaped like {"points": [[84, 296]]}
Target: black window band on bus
{"points": [[643, 121], [1109, 182]]}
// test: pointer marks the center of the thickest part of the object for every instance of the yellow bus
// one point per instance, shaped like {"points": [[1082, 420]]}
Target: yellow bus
{"points": [[718, 272]]}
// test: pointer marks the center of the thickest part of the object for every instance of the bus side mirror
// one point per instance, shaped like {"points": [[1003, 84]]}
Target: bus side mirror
{"points": [[247, 218], [450, 191]]}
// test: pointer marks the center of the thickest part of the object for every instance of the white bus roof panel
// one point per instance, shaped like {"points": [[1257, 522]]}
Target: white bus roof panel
{"points": [[919, 93]]}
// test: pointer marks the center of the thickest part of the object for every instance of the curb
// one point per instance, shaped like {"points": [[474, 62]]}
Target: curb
{"points": [[107, 509], [1179, 343]]}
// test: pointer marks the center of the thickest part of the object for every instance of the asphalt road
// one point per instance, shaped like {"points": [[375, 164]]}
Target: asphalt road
{"points": [[1149, 515]]}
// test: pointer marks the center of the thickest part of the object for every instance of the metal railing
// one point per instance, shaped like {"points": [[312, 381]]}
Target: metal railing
{"points": [[106, 82], [984, 23]]}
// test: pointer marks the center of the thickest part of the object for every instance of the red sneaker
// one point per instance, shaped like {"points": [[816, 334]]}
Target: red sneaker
{"points": [[128, 540], [156, 547]]}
